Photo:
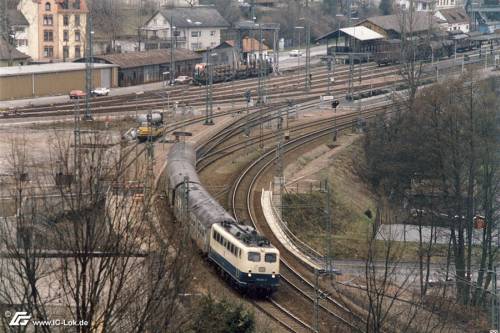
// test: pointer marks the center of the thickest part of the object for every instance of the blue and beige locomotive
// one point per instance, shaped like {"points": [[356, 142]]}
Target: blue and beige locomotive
{"points": [[248, 259]]}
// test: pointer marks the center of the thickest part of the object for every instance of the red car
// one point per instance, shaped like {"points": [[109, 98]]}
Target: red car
{"points": [[75, 94]]}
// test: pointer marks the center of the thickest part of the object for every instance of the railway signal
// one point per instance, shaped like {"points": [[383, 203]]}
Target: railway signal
{"points": [[335, 103]]}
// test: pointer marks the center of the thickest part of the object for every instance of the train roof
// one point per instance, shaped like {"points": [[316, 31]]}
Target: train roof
{"points": [[181, 160], [178, 171], [182, 151], [246, 234], [206, 208]]}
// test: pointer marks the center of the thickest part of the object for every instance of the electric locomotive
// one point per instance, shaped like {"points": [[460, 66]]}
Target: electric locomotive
{"points": [[246, 258]]}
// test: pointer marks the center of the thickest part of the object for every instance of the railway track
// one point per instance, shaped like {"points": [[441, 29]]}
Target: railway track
{"points": [[229, 92], [222, 95], [292, 278], [216, 149]]}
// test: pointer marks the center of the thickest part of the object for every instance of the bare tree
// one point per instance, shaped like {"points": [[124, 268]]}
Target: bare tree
{"points": [[117, 267]]}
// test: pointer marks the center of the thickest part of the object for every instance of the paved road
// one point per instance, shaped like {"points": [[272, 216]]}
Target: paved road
{"points": [[287, 62]]}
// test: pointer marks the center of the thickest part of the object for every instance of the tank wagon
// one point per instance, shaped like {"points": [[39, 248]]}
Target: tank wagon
{"points": [[243, 256]]}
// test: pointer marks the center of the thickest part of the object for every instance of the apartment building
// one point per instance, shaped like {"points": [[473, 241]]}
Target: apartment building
{"points": [[193, 28], [56, 29]]}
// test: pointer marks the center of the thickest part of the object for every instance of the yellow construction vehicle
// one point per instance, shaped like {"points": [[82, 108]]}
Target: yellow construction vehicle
{"points": [[151, 126]]}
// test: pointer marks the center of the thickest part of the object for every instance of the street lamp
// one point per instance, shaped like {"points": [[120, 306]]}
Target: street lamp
{"points": [[173, 39], [298, 28]]}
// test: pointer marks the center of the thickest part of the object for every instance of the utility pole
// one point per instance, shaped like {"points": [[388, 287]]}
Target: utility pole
{"points": [[329, 230], [308, 48], [89, 64], [77, 147], [279, 178], [208, 84], [173, 40], [149, 158], [262, 67], [185, 199], [261, 90], [351, 58]]}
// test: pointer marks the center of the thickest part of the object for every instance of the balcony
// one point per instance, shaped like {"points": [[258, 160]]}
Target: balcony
{"points": [[164, 39]]}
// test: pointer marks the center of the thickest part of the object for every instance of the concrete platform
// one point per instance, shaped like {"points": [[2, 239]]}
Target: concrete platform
{"points": [[293, 244]]}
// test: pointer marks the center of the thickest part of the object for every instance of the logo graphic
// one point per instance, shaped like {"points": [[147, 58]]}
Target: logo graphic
{"points": [[20, 319]]}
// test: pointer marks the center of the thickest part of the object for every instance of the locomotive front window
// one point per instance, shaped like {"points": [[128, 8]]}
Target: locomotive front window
{"points": [[270, 257], [254, 256]]}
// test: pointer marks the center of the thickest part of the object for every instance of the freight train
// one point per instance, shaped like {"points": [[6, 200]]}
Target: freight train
{"points": [[223, 73], [385, 52], [390, 51], [243, 256]]}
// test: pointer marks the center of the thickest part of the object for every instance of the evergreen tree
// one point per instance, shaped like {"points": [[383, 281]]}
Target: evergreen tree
{"points": [[385, 7], [222, 317]]}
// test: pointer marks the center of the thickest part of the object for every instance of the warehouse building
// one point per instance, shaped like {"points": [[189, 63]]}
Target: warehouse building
{"points": [[52, 79], [149, 66]]}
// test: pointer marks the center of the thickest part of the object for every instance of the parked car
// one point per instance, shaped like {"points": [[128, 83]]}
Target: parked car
{"points": [[183, 79], [102, 91], [295, 53], [75, 94]]}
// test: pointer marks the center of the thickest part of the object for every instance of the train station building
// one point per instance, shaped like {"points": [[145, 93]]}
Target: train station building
{"points": [[17, 82], [149, 66], [358, 39], [394, 26]]}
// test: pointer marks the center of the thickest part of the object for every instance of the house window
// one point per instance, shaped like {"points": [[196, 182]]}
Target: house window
{"points": [[77, 35], [77, 20], [65, 52], [48, 52], [76, 4], [48, 36], [77, 52], [65, 4], [22, 42], [65, 35], [195, 46], [48, 20], [212, 33], [65, 20], [195, 33], [47, 6]]}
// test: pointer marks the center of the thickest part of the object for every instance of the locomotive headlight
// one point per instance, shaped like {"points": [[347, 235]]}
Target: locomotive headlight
{"points": [[273, 275]]}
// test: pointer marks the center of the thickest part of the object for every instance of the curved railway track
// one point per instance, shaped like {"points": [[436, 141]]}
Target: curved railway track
{"points": [[244, 187], [216, 149]]}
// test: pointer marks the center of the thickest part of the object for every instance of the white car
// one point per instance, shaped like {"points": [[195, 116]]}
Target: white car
{"points": [[295, 53], [102, 91], [183, 79]]}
